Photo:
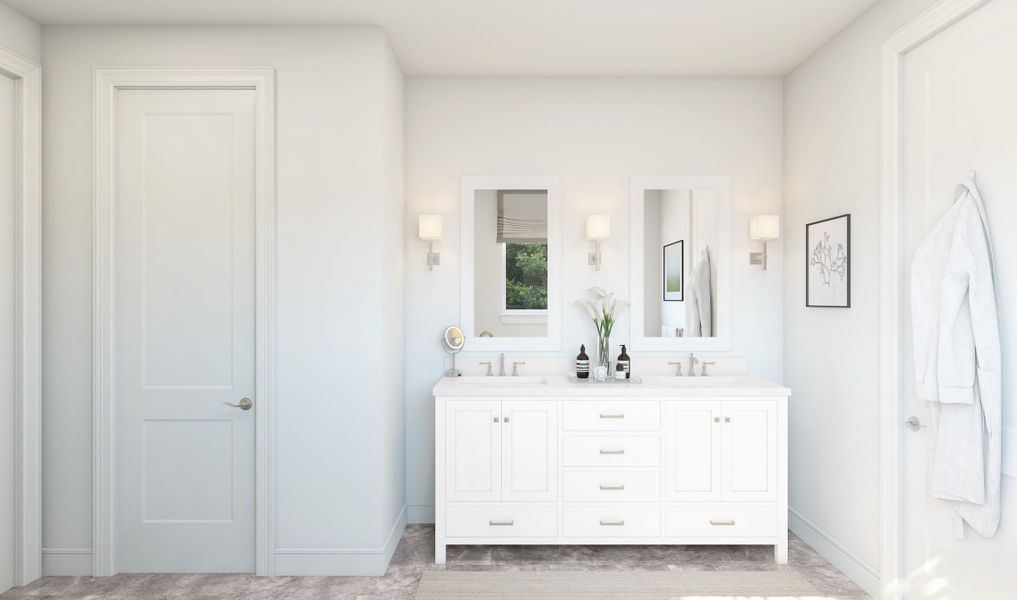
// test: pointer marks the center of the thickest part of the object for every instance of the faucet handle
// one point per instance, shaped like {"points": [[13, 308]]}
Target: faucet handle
{"points": [[515, 368], [677, 367], [490, 373], [706, 363]]}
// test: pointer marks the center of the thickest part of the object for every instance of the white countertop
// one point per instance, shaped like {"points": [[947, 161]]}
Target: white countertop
{"points": [[652, 386]]}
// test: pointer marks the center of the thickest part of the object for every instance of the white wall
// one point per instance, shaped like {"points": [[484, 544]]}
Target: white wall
{"points": [[595, 134], [339, 429], [20, 34], [831, 163]]}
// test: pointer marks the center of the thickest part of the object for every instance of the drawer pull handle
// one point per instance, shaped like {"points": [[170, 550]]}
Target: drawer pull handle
{"points": [[612, 415], [501, 523], [726, 523], [617, 523], [612, 486], [612, 451]]}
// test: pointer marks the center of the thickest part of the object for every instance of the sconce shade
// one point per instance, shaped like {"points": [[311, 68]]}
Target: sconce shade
{"points": [[764, 227], [598, 227], [429, 227]]}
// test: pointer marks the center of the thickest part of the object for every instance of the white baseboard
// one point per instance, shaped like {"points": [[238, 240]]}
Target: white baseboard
{"points": [[420, 513], [58, 562], [341, 561], [862, 573]]}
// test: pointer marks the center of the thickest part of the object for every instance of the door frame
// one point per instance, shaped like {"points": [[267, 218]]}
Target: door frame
{"points": [[107, 82], [891, 269], [27, 77]]}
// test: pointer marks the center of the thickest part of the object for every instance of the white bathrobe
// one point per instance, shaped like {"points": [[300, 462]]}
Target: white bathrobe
{"points": [[957, 360], [699, 299]]}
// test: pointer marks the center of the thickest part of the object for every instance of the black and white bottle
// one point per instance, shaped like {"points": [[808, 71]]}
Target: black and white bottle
{"points": [[623, 370], [582, 364]]}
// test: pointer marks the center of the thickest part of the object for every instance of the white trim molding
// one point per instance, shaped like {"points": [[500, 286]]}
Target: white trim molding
{"points": [[107, 81], [66, 562], [342, 561], [891, 270], [849, 563], [27, 77]]}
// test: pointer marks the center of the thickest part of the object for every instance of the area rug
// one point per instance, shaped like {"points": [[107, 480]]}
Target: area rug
{"points": [[612, 585]]}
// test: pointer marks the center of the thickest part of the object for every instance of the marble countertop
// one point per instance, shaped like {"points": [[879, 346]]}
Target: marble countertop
{"points": [[651, 386]]}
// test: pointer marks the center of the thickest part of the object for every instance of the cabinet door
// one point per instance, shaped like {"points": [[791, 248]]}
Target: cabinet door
{"points": [[529, 450], [472, 450], [693, 450], [750, 450]]}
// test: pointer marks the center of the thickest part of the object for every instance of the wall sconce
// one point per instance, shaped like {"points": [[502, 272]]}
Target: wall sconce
{"points": [[598, 228], [429, 228], [764, 228]]}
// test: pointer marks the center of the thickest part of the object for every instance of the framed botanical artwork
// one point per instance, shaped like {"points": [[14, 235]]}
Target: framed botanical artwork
{"points": [[674, 271], [828, 262]]}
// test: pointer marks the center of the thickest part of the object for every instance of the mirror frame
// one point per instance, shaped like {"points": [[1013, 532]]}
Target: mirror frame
{"points": [[469, 186], [722, 256]]}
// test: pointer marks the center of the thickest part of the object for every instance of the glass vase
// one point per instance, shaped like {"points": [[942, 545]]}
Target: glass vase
{"points": [[603, 353]]}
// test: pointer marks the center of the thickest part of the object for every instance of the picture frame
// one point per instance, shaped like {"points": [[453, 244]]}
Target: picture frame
{"points": [[828, 263], [673, 272]]}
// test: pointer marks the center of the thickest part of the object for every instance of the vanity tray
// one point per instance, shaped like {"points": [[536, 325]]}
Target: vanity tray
{"points": [[610, 380]]}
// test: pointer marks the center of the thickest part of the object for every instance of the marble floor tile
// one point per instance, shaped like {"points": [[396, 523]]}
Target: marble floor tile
{"points": [[415, 555]]}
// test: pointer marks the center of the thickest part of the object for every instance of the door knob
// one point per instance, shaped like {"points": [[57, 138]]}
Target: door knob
{"points": [[914, 424], [244, 404]]}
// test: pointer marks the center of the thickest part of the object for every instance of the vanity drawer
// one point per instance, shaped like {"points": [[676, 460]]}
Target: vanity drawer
{"points": [[612, 415], [611, 486], [721, 521], [499, 520], [612, 521], [613, 451]]}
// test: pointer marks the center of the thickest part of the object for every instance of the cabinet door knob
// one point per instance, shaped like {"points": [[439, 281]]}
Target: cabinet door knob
{"points": [[727, 419]]}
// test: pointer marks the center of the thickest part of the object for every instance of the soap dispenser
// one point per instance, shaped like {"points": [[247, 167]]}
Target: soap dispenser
{"points": [[624, 365], [582, 364]]}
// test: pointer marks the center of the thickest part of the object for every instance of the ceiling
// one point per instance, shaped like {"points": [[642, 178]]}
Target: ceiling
{"points": [[524, 37]]}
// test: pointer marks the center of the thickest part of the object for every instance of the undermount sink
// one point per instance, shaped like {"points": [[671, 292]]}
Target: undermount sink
{"points": [[502, 381], [673, 380]]}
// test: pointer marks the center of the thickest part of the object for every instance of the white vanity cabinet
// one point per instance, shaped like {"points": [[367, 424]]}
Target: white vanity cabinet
{"points": [[566, 463], [501, 450]]}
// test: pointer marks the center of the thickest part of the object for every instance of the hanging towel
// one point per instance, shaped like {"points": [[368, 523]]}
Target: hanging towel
{"points": [[699, 299], [957, 360]]}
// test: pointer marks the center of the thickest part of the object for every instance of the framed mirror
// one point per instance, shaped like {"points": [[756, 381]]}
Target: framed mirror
{"points": [[510, 243], [680, 263]]}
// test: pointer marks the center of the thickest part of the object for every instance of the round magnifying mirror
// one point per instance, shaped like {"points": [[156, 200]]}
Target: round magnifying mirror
{"points": [[453, 340]]}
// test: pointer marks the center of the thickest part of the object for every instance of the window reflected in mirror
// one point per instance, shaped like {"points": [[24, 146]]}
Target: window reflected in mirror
{"points": [[680, 229], [511, 263]]}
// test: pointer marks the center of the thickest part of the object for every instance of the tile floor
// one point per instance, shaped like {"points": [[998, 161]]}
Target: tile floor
{"points": [[415, 555]]}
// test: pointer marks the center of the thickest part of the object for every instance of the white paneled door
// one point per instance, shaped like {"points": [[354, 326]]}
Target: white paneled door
{"points": [[7, 337], [473, 449], [529, 450], [958, 99], [184, 199], [694, 450]]}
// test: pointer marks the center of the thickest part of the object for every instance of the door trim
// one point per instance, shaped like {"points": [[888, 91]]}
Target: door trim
{"points": [[107, 81], [27, 78], [891, 268]]}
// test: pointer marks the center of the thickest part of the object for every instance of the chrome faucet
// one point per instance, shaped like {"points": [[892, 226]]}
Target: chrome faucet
{"points": [[501, 365], [693, 361]]}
